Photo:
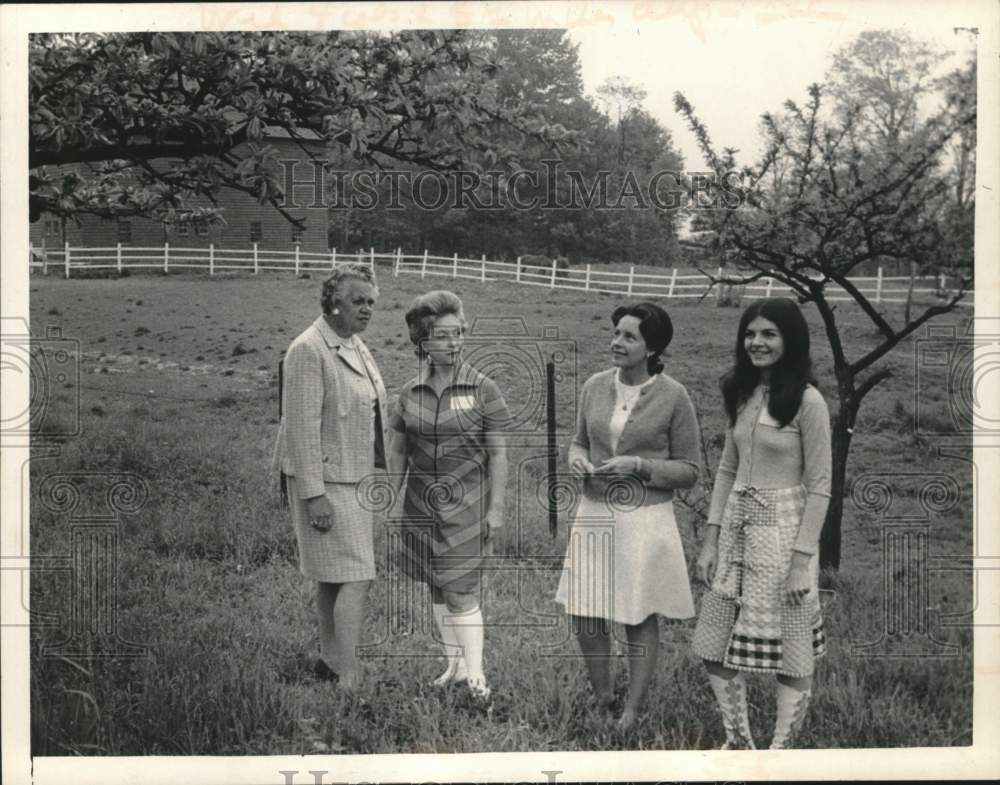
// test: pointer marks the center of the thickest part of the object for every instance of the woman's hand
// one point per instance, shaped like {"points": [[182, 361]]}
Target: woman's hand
{"points": [[708, 560], [620, 464], [320, 513], [798, 583], [581, 467], [494, 523]]}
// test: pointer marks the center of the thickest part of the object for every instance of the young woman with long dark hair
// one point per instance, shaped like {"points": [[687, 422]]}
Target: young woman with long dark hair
{"points": [[761, 612]]}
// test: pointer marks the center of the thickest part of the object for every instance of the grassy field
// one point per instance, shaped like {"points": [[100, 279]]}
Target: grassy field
{"points": [[178, 385]]}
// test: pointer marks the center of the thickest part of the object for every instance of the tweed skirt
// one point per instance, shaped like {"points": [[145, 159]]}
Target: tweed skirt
{"points": [[745, 622], [346, 552], [625, 565]]}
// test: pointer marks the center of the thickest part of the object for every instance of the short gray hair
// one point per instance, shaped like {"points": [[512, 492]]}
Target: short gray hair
{"points": [[428, 308], [331, 285]]}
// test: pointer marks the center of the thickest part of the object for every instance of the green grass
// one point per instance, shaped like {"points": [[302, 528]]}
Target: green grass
{"points": [[207, 577]]}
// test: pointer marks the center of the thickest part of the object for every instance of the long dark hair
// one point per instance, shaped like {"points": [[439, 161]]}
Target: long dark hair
{"points": [[790, 374], [655, 327]]}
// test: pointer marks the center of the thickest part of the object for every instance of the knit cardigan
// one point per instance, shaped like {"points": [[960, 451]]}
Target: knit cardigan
{"points": [[662, 429]]}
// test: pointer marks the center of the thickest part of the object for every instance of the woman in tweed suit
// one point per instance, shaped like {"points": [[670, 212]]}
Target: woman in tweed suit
{"points": [[636, 443], [331, 436], [762, 613]]}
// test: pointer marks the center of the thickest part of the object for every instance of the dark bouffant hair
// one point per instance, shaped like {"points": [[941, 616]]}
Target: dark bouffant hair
{"points": [[655, 327]]}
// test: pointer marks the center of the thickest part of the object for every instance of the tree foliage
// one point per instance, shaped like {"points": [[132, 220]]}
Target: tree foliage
{"points": [[188, 113]]}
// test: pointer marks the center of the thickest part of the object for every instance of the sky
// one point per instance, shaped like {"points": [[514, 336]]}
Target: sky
{"points": [[735, 62]]}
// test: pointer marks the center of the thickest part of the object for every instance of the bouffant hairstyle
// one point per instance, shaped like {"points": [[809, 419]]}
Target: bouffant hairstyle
{"points": [[789, 375], [655, 327], [333, 284], [427, 309]]}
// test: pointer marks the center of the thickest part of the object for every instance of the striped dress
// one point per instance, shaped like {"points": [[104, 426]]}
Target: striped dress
{"points": [[448, 484]]}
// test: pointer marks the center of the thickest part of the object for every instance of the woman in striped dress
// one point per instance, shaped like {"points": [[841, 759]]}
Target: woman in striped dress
{"points": [[762, 612], [448, 444]]}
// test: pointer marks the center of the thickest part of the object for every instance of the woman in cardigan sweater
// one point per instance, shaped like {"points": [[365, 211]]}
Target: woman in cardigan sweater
{"points": [[761, 612], [636, 441]]}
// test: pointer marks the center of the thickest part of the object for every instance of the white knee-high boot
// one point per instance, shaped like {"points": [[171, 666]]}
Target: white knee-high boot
{"points": [[792, 705], [468, 628], [732, 697], [455, 670]]}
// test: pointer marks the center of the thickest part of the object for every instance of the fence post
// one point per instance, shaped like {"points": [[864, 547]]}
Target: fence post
{"points": [[878, 286], [333, 259], [631, 279], [673, 283], [552, 275], [66, 249], [423, 267], [45, 259], [118, 257], [166, 257], [586, 281], [211, 258], [942, 282], [399, 260], [770, 283], [454, 266], [482, 270], [296, 260], [256, 264], [517, 272]]}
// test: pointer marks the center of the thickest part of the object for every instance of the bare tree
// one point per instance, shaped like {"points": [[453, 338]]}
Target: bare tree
{"points": [[835, 206]]}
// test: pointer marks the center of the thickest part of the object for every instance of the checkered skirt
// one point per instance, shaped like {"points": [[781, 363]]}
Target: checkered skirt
{"points": [[744, 622]]}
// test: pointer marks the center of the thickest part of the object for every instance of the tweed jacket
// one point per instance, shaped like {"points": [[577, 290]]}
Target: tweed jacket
{"points": [[326, 426], [662, 428]]}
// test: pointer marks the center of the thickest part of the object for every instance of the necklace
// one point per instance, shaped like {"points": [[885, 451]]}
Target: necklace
{"points": [[623, 393]]}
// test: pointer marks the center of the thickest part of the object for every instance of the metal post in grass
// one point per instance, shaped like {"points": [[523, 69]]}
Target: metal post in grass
{"points": [[586, 281], [553, 452], [281, 386], [943, 281], [256, 262], [552, 275], [878, 286], [770, 285], [166, 258], [517, 272], [211, 258], [631, 279], [673, 283], [45, 259], [423, 267], [371, 257], [399, 261], [482, 270], [66, 251], [296, 260], [118, 257], [454, 266]]}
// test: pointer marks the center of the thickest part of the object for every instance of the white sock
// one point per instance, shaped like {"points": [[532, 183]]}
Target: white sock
{"points": [[731, 695], [468, 629], [792, 705], [455, 670]]}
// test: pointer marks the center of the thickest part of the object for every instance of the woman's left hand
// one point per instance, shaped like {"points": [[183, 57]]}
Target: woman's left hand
{"points": [[619, 464], [797, 584]]}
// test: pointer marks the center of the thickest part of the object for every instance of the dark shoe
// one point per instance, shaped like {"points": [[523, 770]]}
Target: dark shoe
{"points": [[324, 672]]}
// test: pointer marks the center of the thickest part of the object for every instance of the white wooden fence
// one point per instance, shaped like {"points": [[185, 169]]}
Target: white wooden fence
{"points": [[589, 278]]}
